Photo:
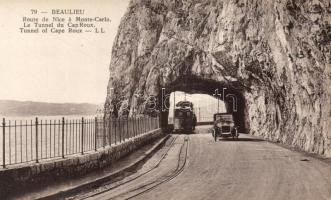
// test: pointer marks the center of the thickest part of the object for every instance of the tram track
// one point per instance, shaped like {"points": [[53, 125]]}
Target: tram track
{"points": [[182, 158], [95, 194]]}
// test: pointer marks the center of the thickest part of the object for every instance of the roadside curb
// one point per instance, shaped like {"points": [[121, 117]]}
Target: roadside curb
{"points": [[97, 182]]}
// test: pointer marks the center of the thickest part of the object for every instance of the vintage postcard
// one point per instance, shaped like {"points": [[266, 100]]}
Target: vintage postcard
{"points": [[165, 99]]}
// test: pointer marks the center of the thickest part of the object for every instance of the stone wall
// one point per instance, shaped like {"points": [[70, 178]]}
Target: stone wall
{"points": [[45, 172]]}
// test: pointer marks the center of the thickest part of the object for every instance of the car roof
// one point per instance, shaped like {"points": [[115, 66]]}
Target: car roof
{"points": [[184, 109]]}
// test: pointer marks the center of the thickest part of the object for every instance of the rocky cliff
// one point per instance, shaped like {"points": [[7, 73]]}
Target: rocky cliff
{"points": [[275, 54]]}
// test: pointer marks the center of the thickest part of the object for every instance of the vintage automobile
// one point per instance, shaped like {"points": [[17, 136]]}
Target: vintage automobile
{"points": [[184, 117], [224, 126]]}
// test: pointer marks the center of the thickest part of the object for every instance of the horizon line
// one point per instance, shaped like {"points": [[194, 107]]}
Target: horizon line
{"points": [[38, 101]]}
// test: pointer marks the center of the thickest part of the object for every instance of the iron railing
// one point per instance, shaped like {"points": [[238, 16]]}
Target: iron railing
{"points": [[24, 141]]}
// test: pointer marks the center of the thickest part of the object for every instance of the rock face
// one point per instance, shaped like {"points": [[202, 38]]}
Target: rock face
{"points": [[274, 54]]}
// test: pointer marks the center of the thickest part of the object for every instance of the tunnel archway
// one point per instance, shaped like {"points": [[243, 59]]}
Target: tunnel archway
{"points": [[232, 98]]}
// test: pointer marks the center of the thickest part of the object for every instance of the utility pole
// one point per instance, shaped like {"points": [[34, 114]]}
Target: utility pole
{"points": [[199, 115]]}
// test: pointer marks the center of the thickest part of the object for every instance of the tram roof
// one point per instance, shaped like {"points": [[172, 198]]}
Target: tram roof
{"points": [[184, 104]]}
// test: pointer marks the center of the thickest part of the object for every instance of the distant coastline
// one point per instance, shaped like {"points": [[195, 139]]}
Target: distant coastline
{"points": [[12, 108]]}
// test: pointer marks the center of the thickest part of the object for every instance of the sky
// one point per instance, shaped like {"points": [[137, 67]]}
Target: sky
{"points": [[56, 67]]}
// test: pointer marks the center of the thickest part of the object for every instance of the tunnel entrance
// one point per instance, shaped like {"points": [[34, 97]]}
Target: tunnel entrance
{"points": [[205, 106], [222, 97]]}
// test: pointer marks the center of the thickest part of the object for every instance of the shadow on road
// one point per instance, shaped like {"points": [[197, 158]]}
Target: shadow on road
{"points": [[183, 132], [241, 140]]}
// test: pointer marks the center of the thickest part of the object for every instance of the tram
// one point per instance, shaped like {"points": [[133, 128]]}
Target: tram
{"points": [[184, 117]]}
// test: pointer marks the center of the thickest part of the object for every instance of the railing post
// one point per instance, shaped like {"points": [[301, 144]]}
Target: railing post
{"points": [[95, 132], [158, 122], [134, 126], [109, 130], [145, 124], [82, 145], [104, 132], [4, 143], [120, 127], [149, 123], [115, 131], [127, 128], [137, 126], [139, 131], [130, 127], [63, 137], [36, 124], [140, 126]]}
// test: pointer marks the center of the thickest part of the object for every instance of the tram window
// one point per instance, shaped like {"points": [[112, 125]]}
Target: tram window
{"points": [[179, 114]]}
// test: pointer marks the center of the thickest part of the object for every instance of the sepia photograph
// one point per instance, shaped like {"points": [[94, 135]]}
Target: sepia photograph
{"points": [[165, 100]]}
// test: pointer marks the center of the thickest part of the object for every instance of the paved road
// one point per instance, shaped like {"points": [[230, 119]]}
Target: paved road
{"points": [[195, 167]]}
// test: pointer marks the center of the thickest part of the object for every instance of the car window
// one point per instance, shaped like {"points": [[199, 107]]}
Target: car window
{"points": [[224, 118]]}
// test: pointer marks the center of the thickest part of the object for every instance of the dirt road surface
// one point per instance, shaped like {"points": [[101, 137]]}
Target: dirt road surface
{"points": [[196, 167]]}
